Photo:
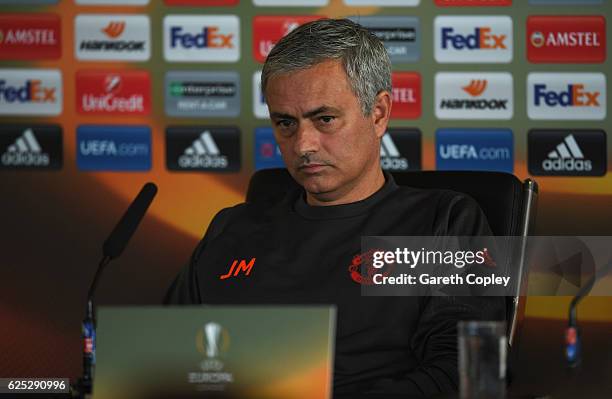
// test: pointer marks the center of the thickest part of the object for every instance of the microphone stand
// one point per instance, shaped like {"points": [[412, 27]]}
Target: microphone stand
{"points": [[573, 341], [88, 333]]}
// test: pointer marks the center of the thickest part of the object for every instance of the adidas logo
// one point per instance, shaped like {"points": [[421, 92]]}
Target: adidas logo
{"points": [[25, 152], [567, 156], [390, 157], [203, 153]]}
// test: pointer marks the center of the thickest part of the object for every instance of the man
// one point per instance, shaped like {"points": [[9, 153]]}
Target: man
{"points": [[327, 86]]}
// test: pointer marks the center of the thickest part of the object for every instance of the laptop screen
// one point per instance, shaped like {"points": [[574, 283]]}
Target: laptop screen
{"points": [[249, 352]]}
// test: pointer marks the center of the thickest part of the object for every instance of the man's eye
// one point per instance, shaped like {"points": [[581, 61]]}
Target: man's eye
{"points": [[327, 119], [285, 123]]}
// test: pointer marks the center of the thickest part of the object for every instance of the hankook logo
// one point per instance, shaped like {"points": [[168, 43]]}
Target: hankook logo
{"points": [[478, 95], [112, 37]]}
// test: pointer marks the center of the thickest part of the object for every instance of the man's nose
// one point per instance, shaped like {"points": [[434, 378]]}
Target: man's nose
{"points": [[307, 139]]}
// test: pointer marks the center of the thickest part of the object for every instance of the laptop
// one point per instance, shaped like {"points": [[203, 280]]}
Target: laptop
{"points": [[247, 352]]}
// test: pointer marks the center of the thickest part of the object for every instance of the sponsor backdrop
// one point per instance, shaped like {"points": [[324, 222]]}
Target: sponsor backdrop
{"points": [[99, 96]]}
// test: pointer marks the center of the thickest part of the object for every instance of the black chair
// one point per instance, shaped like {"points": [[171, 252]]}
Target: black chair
{"points": [[508, 204]]}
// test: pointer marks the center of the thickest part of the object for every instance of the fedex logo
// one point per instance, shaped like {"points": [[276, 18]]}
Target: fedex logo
{"points": [[268, 30], [30, 92], [580, 96], [482, 38], [574, 96], [210, 38], [473, 39]]}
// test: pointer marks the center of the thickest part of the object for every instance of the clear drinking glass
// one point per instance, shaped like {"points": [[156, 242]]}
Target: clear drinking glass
{"points": [[482, 359]]}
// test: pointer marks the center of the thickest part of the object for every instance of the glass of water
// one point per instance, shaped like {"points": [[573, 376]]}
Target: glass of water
{"points": [[482, 359]]}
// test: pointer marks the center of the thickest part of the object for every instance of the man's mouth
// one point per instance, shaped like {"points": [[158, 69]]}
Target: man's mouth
{"points": [[312, 168]]}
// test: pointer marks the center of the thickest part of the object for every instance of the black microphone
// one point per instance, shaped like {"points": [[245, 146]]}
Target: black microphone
{"points": [[573, 341], [118, 239], [111, 249]]}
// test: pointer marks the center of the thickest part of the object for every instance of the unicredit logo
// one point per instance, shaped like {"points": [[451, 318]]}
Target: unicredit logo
{"points": [[209, 37], [566, 39], [126, 92], [32, 91], [482, 38], [269, 29], [575, 96]]}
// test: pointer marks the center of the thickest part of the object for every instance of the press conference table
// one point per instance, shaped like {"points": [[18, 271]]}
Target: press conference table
{"points": [[540, 370]]}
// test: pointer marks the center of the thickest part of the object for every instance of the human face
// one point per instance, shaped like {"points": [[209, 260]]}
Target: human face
{"points": [[328, 145]]}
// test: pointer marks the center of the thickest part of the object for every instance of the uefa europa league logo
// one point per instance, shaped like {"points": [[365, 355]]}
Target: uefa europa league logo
{"points": [[212, 341], [212, 332]]}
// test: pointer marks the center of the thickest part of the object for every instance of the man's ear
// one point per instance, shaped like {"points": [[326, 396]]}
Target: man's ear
{"points": [[381, 112]]}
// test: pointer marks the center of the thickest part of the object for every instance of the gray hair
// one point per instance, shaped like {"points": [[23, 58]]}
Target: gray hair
{"points": [[362, 54]]}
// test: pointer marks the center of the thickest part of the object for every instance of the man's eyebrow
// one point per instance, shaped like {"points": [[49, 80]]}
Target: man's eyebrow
{"points": [[308, 114]]}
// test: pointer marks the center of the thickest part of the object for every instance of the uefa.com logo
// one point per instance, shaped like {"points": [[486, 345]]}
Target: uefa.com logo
{"points": [[475, 149], [113, 148], [30, 147], [269, 29], [207, 38], [476, 95], [113, 93], [112, 37], [469, 39], [31, 92], [566, 96], [30, 36], [566, 39]]}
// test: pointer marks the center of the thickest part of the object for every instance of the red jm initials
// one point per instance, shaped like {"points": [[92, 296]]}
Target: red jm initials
{"points": [[236, 268]]}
